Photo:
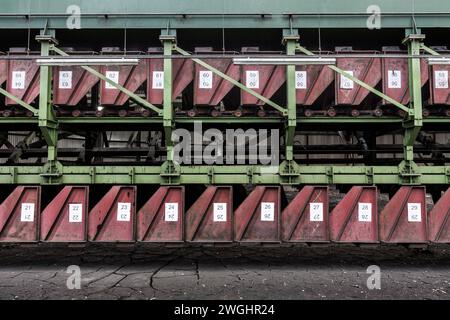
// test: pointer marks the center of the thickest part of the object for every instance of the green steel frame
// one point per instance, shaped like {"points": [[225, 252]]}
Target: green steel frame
{"points": [[284, 17]]}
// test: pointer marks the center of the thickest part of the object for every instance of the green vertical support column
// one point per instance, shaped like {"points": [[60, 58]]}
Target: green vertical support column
{"points": [[289, 167], [47, 119], [169, 168], [413, 120]]}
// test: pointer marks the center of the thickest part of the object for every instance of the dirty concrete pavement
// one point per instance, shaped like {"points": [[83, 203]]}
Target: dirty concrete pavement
{"points": [[235, 272]]}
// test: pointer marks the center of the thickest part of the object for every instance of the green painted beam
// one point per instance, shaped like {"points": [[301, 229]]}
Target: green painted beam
{"points": [[228, 14], [315, 175]]}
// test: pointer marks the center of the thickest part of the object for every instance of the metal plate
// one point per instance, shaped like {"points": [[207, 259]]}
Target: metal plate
{"points": [[210, 218], [318, 79], [439, 220], [23, 80], [161, 219], [355, 218], [113, 217], [266, 82], [305, 219], [257, 219], [404, 218], [19, 215], [65, 217]]}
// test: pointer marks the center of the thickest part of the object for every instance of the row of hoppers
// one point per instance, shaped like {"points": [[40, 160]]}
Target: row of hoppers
{"points": [[71, 84], [213, 217]]}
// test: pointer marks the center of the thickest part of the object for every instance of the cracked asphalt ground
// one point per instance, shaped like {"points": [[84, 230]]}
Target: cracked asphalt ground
{"points": [[235, 272]]}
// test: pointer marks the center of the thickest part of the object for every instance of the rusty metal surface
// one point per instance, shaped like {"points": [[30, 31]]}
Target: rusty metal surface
{"points": [[23, 80], [3, 71], [404, 218], [182, 76], [399, 90], [112, 219], [257, 219], [367, 70], [355, 218], [65, 217], [161, 219], [266, 81], [19, 215], [70, 92], [210, 92], [440, 84], [130, 77], [210, 218], [438, 220], [318, 79], [305, 219]]}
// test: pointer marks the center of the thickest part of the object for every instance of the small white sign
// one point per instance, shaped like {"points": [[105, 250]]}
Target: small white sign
{"points": [[346, 83], [414, 212], [220, 212], [441, 79], [252, 79], [158, 80], [27, 212], [205, 79], [65, 80], [267, 211], [394, 79], [300, 79], [75, 212], [316, 211], [18, 80], [171, 212], [364, 212], [113, 76], [123, 211]]}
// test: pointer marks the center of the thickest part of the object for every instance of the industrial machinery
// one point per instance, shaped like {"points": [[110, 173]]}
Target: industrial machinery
{"points": [[225, 121]]}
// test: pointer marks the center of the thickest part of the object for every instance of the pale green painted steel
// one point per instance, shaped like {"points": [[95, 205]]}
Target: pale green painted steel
{"points": [[290, 40], [234, 82], [135, 97], [168, 41], [311, 175], [224, 13], [19, 101]]}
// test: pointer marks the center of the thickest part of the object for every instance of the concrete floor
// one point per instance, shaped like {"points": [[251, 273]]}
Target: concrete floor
{"points": [[235, 272]]}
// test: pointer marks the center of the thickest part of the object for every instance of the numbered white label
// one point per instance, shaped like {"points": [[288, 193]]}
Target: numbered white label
{"points": [[171, 212], [18, 80], [414, 212], [123, 211], [158, 80], [364, 212], [252, 79], [113, 76], [65, 80], [27, 212], [205, 79], [316, 211], [441, 79], [75, 212], [220, 212], [267, 211], [300, 79], [346, 83], [394, 79]]}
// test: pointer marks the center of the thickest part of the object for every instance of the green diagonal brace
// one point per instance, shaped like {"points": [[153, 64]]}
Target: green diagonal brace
{"points": [[361, 83], [429, 50], [18, 101], [135, 97], [234, 82]]}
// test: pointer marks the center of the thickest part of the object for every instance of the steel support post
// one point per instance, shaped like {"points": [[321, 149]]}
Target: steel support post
{"points": [[288, 169], [413, 121], [169, 169], [47, 119]]}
